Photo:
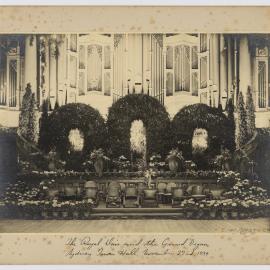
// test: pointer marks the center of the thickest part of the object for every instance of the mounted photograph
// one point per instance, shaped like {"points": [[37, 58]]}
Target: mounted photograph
{"points": [[105, 131]]}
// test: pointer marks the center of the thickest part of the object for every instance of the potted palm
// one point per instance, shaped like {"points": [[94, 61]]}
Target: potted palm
{"points": [[174, 158], [98, 158]]}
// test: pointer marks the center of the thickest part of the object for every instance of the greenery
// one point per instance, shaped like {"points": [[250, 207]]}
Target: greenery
{"points": [[28, 116], [241, 123], [154, 117], [98, 154], [230, 115], [201, 116], [75, 116], [224, 160], [43, 127], [174, 153], [250, 110], [122, 164], [156, 163], [262, 156]]}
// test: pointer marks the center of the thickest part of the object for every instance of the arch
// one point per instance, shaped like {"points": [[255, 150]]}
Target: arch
{"points": [[76, 116], [138, 107], [201, 116]]}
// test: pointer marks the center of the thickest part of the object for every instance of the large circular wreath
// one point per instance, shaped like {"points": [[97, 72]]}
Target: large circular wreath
{"points": [[76, 116], [138, 107], [201, 116]]}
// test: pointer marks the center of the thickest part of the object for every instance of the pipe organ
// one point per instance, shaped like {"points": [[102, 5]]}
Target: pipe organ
{"points": [[138, 65]]}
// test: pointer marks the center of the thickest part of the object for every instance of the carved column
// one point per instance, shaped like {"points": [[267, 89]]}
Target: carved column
{"points": [[223, 71]]}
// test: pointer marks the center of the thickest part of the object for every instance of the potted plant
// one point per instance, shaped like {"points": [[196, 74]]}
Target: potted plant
{"points": [[212, 207], [234, 209], [223, 160], [46, 210], [86, 207], [98, 157], [174, 158], [148, 176], [226, 207], [156, 164], [188, 206], [122, 164]]}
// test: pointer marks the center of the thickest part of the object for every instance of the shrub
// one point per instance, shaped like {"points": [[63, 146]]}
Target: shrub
{"points": [[241, 123], [75, 116], [43, 127], [28, 116], [201, 116], [230, 115], [250, 109], [154, 117]]}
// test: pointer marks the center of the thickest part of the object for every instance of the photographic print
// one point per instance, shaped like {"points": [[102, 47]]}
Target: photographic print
{"points": [[145, 133]]}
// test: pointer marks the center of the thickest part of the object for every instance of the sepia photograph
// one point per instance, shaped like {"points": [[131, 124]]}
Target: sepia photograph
{"points": [[134, 132], [135, 126]]}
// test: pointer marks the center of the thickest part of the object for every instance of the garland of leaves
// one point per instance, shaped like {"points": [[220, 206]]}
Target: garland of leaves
{"points": [[154, 117], [202, 116], [75, 116]]}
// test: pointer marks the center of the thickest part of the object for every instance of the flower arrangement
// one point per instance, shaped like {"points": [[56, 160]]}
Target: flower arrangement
{"points": [[122, 164], [98, 154], [189, 203], [228, 178], [223, 160], [155, 163], [175, 154], [96, 159], [190, 165]]}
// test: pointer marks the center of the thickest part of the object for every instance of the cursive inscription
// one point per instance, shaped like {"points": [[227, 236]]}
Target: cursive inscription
{"points": [[134, 246]]}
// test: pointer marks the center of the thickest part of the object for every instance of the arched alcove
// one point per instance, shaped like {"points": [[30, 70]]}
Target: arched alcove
{"points": [[138, 143], [154, 117]]}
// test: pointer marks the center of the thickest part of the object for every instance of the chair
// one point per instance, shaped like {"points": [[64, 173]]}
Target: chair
{"points": [[168, 192], [131, 198], [52, 193], [69, 192], [207, 191], [91, 191], [149, 198], [113, 197], [178, 194], [161, 187]]}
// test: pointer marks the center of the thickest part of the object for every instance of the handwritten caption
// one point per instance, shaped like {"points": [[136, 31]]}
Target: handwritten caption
{"points": [[134, 246]]}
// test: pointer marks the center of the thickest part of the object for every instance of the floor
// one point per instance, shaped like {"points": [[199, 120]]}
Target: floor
{"points": [[134, 226]]}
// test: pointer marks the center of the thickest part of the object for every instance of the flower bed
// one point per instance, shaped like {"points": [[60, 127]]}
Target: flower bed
{"points": [[243, 198], [43, 209]]}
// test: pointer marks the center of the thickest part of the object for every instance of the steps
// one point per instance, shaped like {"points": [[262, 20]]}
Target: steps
{"points": [[137, 212]]}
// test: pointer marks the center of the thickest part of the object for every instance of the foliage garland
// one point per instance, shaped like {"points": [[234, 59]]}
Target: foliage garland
{"points": [[138, 107], [202, 116], [71, 116]]}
